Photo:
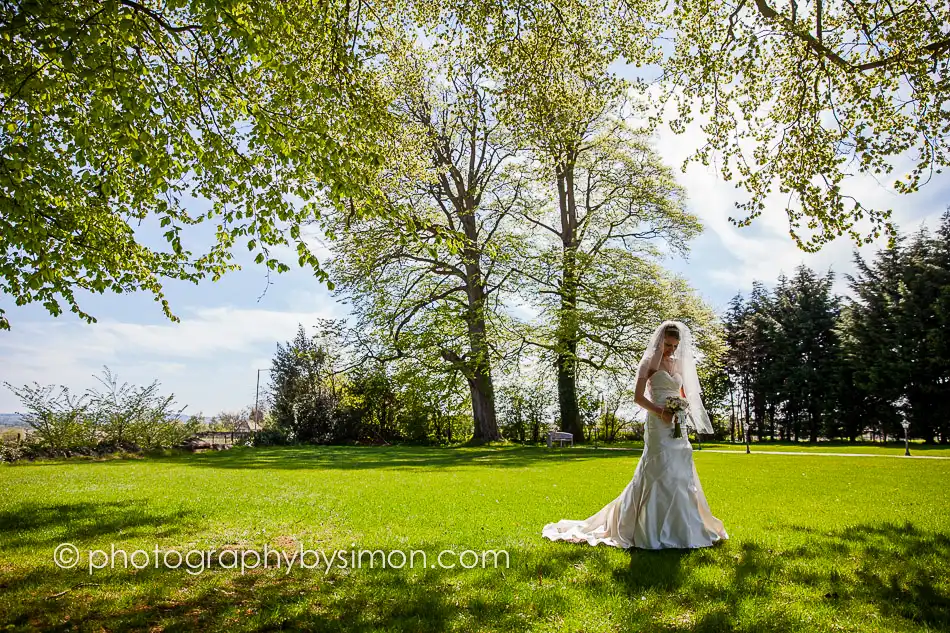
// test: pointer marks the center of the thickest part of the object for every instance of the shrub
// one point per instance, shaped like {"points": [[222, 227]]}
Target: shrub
{"points": [[10, 452], [60, 421], [271, 435], [119, 418]]}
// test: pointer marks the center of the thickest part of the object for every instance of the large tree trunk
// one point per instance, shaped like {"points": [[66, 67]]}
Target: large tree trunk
{"points": [[479, 380], [567, 397], [481, 388], [483, 407], [567, 334], [567, 365]]}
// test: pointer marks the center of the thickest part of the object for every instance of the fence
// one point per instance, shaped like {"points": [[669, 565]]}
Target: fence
{"points": [[223, 439]]}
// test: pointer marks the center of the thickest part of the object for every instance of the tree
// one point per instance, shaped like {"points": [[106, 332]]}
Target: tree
{"points": [[807, 313], [590, 270], [371, 398], [799, 93], [939, 335], [426, 271], [812, 365], [433, 406], [304, 392], [59, 419], [229, 420], [738, 356], [132, 413], [923, 327], [114, 114], [608, 189], [875, 346], [525, 407], [114, 418], [856, 412]]}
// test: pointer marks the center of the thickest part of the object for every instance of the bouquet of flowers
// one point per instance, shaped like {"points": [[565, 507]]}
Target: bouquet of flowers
{"points": [[679, 407]]}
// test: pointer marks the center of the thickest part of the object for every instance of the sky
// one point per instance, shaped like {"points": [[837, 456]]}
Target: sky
{"points": [[230, 329]]}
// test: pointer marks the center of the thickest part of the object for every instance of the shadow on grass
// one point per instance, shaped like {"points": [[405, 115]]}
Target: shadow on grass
{"points": [[383, 457], [431, 599], [900, 568], [39, 524], [896, 573]]}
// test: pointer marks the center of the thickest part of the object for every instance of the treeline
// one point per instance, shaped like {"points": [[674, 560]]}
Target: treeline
{"points": [[323, 390], [314, 398], [805, 364]]}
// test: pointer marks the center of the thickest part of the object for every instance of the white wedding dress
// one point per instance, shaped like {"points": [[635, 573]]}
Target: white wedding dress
{"points": [[663, 506]]}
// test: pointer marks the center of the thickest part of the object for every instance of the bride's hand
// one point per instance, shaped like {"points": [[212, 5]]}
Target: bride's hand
{"points": [[667, 416]]}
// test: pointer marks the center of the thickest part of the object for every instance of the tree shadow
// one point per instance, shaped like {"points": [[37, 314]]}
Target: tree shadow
{"points": [[35, 524], [427, 599], [386, 457], [649, 570], [897, 572], [899, 568]]}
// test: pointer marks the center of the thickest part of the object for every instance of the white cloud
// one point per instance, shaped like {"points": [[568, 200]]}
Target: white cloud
{"points": [[208, 332], [765, 249], [208, 360]]}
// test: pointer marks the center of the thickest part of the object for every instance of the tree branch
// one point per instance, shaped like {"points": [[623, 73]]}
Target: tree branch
{"points": [[816, 45]]}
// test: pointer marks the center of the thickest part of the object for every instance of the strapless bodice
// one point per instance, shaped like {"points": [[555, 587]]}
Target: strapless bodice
{"points": [[665, 384]]}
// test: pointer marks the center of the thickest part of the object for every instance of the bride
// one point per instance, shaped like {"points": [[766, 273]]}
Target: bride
{"points": [[663, 506]]}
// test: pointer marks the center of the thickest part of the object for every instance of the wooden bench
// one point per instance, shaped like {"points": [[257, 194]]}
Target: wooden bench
{"points": [[559, 436]]}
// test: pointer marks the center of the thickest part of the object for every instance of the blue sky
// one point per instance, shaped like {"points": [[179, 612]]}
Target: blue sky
{"points": [[228, 330]]}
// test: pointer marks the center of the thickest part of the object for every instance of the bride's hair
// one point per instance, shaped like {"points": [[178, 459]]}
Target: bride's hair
{"points": [[672, 330]]}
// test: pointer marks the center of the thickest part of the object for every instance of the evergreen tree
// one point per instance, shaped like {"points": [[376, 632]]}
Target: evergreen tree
{"points": [[304, 400], [877, 357]]}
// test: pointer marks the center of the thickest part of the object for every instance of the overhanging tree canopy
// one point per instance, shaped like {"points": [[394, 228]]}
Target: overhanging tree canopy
{"points": [[800, 94], [113, 114], [805, 93]]}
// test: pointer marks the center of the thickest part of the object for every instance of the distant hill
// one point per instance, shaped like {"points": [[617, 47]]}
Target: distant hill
{"points": [[11, 419]]}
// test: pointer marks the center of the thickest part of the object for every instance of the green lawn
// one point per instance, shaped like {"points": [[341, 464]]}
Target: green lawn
{"points": [[816, 544]]}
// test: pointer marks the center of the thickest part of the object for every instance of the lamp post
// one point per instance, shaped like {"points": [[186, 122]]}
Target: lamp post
{"points": [[257, 397], [901, 405]]}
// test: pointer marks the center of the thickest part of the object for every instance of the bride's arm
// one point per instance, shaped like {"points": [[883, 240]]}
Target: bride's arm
{"points": [[639, 395]]}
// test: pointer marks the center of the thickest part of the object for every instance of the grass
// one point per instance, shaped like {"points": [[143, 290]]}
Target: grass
{"points": [[830, 544]]}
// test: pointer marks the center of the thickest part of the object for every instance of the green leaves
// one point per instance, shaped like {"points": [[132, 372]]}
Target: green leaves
{"points": [[791, 109], [115, 112], [275, 110]]}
